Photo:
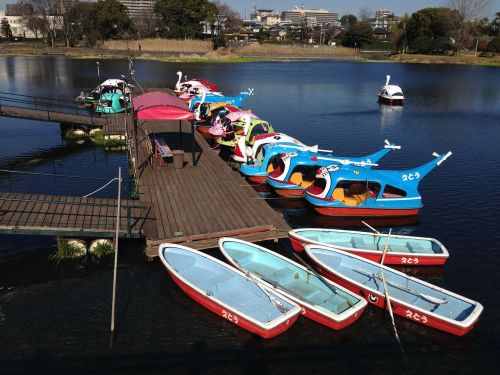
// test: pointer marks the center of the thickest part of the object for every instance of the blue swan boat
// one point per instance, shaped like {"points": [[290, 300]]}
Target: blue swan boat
{"points": [[213, 98], [296, 171], [347, 190]]}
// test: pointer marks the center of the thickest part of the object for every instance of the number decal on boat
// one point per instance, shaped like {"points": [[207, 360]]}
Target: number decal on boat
{"points": [[231, 317], [416, 316], [411, 176], [405, 260], [372, 298]]}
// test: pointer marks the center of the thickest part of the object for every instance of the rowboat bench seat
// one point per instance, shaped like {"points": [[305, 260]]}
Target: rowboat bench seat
{"points": [[283, 275], [415, 248], [336, 303]]}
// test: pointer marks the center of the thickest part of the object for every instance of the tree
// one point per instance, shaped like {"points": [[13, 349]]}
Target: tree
{"points": [[112, 20], [365, 13], [79, 22], [358, 35], [430, 29], [348, 20], [467, 11], [5, 28], [181, 18], [42, 15]]}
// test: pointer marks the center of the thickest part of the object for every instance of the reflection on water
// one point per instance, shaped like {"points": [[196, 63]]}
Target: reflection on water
{"points": [[58, 315]]}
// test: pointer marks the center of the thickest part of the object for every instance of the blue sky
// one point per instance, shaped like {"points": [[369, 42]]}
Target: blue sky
{"points": [[340, 6]]}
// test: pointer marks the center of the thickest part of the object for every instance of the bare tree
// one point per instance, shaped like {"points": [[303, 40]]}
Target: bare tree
{"points": [[45, 15], [467, 11], [231, 17], [365, 13], [146, 24]]}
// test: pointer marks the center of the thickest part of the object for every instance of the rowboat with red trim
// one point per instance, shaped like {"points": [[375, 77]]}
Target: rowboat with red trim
{"points": [[228, 292], [402, 250], [410, 297], [321, 300]]}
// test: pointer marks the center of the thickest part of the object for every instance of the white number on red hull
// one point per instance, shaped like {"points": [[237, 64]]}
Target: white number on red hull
{"points": [[231, 317], [406, 260], [416, 316]]}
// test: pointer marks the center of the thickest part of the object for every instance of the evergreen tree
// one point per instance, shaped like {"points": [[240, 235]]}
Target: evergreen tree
{"points": [[5, 27], [112, 20], [181, 18]]}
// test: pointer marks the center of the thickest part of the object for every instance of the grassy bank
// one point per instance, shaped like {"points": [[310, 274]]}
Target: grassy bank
{"points": [[201, 52]]}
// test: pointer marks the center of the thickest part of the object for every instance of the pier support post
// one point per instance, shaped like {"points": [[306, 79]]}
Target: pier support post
{"points": [[116, 249]]}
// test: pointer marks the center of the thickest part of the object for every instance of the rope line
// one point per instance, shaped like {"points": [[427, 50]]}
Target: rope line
{"points": [[57, 175], [102, 187]]}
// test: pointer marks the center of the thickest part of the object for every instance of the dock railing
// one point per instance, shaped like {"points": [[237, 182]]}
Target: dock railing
{"points": [[48, 105]]}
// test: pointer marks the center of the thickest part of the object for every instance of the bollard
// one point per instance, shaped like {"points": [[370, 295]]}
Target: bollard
{"points": [[178, 156]]}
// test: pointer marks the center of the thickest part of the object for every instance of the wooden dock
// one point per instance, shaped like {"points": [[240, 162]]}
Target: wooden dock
{"points": [[196, 205], [71, 216]]}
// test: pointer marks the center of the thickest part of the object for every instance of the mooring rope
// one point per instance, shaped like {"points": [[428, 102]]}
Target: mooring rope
{"points": [[102, 187], [57, 175]]}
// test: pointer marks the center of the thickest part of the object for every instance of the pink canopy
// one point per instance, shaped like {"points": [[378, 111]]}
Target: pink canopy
{"points": [[161, 106]]}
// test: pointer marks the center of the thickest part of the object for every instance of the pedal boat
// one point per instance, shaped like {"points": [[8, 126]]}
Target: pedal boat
{"points": [[348, 190], [401, 250], [297, 170], [113, 103], [182, 86], [410, 297], [227, 292], [330, 305], [266, 157], [391, 94]]}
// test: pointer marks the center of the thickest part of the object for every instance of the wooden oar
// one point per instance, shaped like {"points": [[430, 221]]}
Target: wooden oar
{"points": [[386, 293], [372, 228], [281, 308], [321, 278]]}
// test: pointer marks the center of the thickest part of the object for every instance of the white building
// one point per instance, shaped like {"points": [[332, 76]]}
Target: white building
{"points": [[17, 26], [139, 8], [315, 16]]}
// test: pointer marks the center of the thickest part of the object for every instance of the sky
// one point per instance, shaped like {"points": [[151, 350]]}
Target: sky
{"points": [[341, 6]]}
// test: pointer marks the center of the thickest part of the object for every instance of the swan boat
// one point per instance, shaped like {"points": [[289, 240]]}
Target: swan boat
{"points": [[182, 86], [321, 301], [227, 292], [207, 113], [401, 250], [220, 125], [391, 94], [347, 190], [410, 297], [205, 97], [251, 128], [265, 158], [248, 153], [296, 171]]}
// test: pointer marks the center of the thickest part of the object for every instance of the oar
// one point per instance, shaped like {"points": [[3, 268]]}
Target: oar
{"points": [[387, 298], [372, 228], [435, 300], [282, 308], [321, 278]]}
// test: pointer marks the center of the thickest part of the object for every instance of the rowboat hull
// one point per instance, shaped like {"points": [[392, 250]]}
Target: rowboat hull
{"points": [[391, 257], [409, 311], [231, 315], [257, 179], [289, 193], [310, 311], [228, 292]]}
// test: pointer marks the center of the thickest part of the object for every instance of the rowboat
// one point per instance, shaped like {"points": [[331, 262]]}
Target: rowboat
{"points": [[404, 250], [410, 297], [228, 292], [320, 299]]}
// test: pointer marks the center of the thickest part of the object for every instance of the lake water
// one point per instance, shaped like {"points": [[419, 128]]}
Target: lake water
{"points": [[55, 318]]}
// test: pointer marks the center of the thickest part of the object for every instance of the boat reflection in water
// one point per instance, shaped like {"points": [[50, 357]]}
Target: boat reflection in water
{"points": [[389, 115]]}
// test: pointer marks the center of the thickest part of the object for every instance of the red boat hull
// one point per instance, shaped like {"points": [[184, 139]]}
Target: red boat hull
{"points": [[289, 193], [391, 101], [230, 315], [365, 212], [409, 312], [203, 128], [257, 179], [328, 322], [392, 259]]}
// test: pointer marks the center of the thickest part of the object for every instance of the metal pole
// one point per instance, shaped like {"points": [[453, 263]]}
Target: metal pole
{"points": [[180, 133], [116, 250], [192, 142]]}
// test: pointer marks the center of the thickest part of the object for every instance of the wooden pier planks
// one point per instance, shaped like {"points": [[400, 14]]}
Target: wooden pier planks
{"points": [[68, 215], [53, 116], [197, 205]]}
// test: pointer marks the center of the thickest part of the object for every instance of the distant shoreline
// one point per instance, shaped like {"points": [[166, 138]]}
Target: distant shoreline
{"points": [[18, 50]]}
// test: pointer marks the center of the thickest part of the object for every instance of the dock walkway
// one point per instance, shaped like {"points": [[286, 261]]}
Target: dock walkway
{"points": [[196, 205]]}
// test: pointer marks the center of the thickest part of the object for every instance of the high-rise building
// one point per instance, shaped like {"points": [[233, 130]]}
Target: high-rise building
{"points": [[139, 8], [314, 16]]}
